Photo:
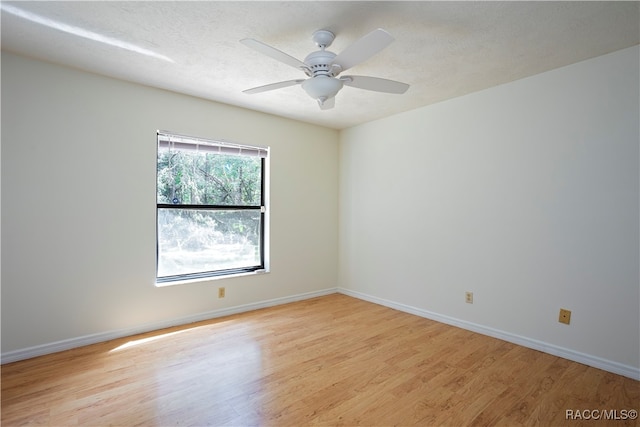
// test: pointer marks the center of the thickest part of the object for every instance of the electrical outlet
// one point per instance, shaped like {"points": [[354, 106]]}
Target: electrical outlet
{"points": [[565, 316], [468, 297], [221, 292]]}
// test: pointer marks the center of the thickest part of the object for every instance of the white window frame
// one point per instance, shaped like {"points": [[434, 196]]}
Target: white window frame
{"points": [[167, 140]]}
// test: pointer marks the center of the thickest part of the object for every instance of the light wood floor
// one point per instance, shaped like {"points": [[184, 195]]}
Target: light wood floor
{"points": [[333, 360]]}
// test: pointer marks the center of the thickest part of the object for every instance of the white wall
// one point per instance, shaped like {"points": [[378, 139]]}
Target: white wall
{"points": [[78, 204], [525, 194]]}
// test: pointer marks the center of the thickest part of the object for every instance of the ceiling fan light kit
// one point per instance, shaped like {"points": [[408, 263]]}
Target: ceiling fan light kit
{"points": [[322, 67], [322, 88]]}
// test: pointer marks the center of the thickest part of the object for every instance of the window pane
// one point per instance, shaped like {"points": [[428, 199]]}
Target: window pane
{"points": [[195, 241], [197, 178]]}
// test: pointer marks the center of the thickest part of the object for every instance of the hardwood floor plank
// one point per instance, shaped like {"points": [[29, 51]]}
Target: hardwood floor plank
{"points": [[333, 360]]}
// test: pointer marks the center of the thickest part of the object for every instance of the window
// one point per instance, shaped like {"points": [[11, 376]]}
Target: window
{"points": [[210, 208]]}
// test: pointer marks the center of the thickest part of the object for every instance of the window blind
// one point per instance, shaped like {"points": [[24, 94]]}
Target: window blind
{"points": [[168, 141]]}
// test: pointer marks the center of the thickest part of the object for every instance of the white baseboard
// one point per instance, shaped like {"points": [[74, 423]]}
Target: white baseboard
{"points": [[54, 347], [586, 359], [596, 362]]}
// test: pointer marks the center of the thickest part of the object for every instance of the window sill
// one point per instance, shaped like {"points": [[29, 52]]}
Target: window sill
{"points": [[208, 279]]}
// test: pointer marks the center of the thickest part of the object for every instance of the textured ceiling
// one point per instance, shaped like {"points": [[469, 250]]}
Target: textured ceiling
{"points": [[442, 49]]}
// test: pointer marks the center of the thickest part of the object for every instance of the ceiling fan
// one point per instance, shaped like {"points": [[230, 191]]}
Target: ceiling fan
{"points": [[323, 67]]}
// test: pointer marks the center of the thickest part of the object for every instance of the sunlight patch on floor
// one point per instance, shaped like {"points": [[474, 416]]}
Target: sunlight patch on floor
{"points": [[134, 343]]}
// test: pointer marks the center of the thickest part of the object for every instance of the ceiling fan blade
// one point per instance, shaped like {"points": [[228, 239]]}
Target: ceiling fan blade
{"points": [[273, 86], [363, 49], [273, 53], [376, 84], [328, 104]]}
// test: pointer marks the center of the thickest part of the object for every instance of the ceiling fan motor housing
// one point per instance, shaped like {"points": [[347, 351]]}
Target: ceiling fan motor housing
{"points": [[319, 63], [322, 85]]}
